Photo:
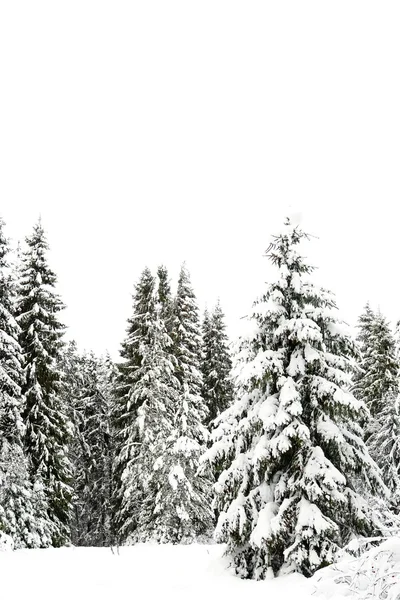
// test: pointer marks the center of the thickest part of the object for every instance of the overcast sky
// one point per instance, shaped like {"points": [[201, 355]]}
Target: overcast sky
{"points": [[151, 132]]}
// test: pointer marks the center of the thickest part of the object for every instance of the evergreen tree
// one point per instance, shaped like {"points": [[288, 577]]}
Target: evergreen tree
{"points": [[127, 403], [216, 364], [295, 464], [47, 426], [148, 505], [377, 378], [189, 436], [22, 507], [384, 446], [378, 386], [93, 463], [70, 364]]}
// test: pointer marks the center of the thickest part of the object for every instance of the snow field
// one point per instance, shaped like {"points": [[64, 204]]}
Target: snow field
{"points": [[140, 572], [193, 572]]}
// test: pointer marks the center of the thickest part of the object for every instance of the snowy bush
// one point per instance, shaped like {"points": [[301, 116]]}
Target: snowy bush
{"points": [[367, 569]]}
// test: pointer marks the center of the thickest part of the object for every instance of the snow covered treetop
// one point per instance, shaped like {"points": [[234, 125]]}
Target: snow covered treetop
{"points": [[282, 248]]}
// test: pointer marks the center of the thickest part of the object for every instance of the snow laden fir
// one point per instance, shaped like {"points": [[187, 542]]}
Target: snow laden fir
{"points": [[295, 474]]}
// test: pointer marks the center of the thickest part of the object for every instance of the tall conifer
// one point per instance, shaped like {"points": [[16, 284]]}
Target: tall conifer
{"points": [[149, 501], [377, 384], [379, 368], [127, 403], [48, 428], [216, 364], [22, 506], [296, 467], [189, 436]]}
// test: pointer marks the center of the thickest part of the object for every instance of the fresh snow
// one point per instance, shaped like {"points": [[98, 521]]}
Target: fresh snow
{"points": [[191, 572], [195, 572]]}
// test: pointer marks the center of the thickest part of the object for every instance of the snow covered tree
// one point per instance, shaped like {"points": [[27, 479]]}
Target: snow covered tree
{"points": [[189, 437], [23, 504], [378, 386], [365, 325], [93, 463], [22, 507], [127, 404], [147, 504], [88, 388], [295, 466], [47, 426], [162, 497], [384, 446], [378, 374], [216, 364], [70, 364]]}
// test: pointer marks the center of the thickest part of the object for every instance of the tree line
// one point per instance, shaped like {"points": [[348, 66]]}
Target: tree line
{"points": [[97, 453], [285, 452]]}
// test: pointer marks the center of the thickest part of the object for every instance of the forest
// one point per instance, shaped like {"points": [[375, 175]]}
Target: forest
{"points": [[283, 445]]}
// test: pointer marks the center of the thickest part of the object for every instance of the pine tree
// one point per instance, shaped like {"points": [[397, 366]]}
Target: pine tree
{"points": [[189, 437], [88, 387], [22, 507], [384, 446], [148, 503], [295, 464], [378, 374], [47, 426], [94, 461], [127, 404], [378, 386], [107, 375], [70, 364], [216, 364], [11, 372]]}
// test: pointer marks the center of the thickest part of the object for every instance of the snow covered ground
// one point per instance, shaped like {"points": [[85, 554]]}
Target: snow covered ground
{"points": [[164, 572]]}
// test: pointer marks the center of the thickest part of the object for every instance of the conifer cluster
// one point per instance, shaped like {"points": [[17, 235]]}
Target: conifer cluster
{"points": [[92, 452], [294, 449]]}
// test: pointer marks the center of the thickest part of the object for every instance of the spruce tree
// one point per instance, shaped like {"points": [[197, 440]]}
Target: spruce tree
{"points": [[189, 436], [70, 364], [47, 426], [378, 386], [295, 465], [216, 364], [127, 404], [378, 374], [22, 506], [93, 457], [149, 500], [384, 446]]}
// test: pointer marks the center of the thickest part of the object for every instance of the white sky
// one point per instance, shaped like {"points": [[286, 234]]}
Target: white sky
{"points": [[155, 132]]}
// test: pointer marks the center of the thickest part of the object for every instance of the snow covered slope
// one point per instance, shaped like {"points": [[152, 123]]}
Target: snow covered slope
{"points": [[197, 572], [140, 572]]}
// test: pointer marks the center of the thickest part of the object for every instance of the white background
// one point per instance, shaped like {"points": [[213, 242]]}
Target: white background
{"points": [[154, 132]]}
